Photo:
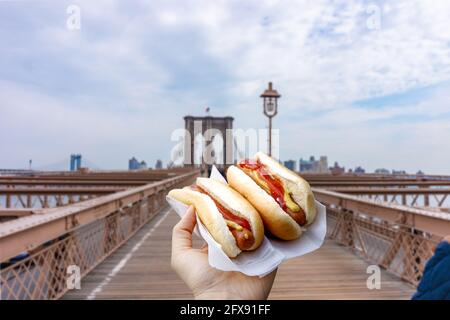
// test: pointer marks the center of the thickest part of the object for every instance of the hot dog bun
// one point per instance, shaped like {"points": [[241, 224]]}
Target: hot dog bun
{"points": [[211, 217], [276, 220], [300, 188]]}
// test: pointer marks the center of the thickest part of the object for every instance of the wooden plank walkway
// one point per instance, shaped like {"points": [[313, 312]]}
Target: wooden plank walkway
{"points": [[140, 269]]}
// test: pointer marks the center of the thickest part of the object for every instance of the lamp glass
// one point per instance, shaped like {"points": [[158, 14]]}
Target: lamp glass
{"points": [[270, 105]]}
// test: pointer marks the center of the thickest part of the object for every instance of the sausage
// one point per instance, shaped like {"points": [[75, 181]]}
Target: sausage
{"points": [[274, 187], [238, 226], [299, 216], [244, 238]]}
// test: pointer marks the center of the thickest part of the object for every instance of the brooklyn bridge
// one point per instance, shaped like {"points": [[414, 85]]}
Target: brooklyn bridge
{"points": [[115, 226]]}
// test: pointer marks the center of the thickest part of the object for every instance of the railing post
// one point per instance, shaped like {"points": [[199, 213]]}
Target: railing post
{"points": [[411, 259], [135, 215], [395, 246], [8, 201], [142, 211], [404, 199], [348, 230], [426, 197], [110, 237], [150, 206]]}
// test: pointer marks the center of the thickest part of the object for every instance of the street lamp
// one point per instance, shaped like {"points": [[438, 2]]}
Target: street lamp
{"points": [[270, 104]]}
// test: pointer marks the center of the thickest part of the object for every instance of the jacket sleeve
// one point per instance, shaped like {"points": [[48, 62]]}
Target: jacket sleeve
{"points": [[435, 283]]}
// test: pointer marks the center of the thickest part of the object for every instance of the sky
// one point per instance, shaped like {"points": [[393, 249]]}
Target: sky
{"points": [[366, 83]]}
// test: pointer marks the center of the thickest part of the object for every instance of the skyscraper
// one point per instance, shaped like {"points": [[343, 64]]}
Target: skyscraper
{"points": [[143, 165], [75, 162], [313, 165], [290, 164], [133, 164]]}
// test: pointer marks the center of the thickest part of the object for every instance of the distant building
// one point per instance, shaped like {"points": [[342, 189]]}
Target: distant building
{"points": [[158, 164], [420, 173], [336, 169], [305, 165], [75, 162], [314, 166], [290, 164], [359, 170], [323, 165], [398, 172], [143, 165], [133, 164], [382, 171]]}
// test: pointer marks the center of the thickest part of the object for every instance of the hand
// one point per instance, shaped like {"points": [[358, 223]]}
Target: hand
{"points": [[447, 238], [204, 281]]}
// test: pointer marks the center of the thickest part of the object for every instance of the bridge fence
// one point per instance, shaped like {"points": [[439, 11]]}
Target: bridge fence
{"points": [[45, 273], [397, 238]]}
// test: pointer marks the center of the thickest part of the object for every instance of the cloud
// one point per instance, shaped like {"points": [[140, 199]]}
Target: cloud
{"points": [[323, 55], [408, 137], [119, 86], [50, 130]]}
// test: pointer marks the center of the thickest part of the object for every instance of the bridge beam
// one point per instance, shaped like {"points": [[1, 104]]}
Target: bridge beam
{"points": [[433, 222]]}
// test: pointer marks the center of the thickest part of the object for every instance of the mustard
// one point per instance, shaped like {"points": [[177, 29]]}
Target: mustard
{"points": [[290, 203], [233, 225], [259, 181]]}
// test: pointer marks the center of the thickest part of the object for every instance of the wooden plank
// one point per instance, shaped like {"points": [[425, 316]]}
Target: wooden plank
{"points": [[332, 272]]}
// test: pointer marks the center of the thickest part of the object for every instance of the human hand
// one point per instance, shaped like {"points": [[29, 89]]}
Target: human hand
{"points": [[447, 238], [207, 282]]}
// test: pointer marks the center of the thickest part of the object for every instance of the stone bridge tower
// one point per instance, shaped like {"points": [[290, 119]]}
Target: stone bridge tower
{"points": [[208, 127]]}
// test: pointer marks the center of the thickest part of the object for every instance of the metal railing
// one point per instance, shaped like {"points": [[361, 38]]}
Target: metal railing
{"points": [[424, 196], [48, 197], [398, 238], [80, 235]]}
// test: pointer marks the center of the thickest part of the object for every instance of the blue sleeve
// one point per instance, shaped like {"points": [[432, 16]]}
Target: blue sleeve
{"points": [[435, 283]]}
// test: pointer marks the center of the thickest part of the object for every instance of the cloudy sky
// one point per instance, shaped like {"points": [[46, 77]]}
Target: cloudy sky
{"points": [[365, 83]]}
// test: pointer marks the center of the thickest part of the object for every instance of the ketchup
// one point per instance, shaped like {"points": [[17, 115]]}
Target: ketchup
{"points": [[275, 186], [225, 212]]}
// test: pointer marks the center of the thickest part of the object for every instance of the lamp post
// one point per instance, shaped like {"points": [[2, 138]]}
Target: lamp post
{"points": [[270, 105]]}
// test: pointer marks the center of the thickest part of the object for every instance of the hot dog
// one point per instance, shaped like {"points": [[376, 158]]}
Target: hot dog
{"points": [[284, 199], [230, 219], [239, 227]]}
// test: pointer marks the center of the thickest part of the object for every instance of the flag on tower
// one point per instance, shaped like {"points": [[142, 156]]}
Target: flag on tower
{"points": [[207, 110]]}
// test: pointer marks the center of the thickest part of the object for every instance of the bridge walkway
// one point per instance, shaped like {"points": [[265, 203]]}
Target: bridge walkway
{"points": [[140, 269]]}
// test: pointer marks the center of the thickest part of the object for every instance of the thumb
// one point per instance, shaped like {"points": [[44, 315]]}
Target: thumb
{"points": [[182, 232]]}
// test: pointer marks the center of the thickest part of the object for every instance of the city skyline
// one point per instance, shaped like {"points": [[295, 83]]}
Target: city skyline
{"points": [[75, 163], [362, 93]]}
